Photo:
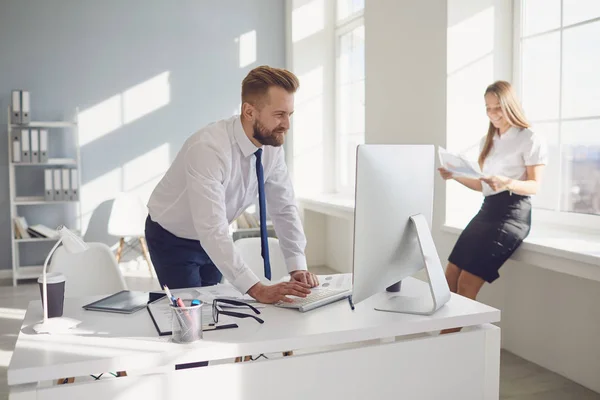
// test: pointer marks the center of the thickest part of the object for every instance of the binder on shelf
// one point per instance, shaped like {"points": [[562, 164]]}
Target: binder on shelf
{"points": [[25, 107], [25, 149], [74, 185], [28, 152], [15, 109], [21, 224], [48, 188], [16, 146], [43, 145], [56, 184], [16, 229], [66, 187], [35, 146]]}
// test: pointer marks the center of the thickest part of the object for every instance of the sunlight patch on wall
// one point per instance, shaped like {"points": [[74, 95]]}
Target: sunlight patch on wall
{"points": [[138, 176], [308, 133], [308, 148], [471, 39], [100, 120], [238, 110], [142, 174], [307, 19], [146, 97], [311, 85], [96, 191], [247, 48], [124, 108]]}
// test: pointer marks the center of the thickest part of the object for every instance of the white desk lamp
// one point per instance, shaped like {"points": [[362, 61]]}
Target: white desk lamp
{"points": [[73, 244]]}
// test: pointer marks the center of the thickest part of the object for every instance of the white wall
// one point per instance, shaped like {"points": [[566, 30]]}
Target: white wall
{"points": [[144, 74], [405, 99], [406, 77], [415, 92], [405, 103]]}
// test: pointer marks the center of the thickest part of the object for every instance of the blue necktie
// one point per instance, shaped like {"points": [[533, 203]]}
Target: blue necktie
{"points": [[264, 241]]}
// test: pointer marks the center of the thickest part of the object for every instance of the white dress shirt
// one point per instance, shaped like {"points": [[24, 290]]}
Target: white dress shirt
{"points": [[510, 155], [211, 182]]}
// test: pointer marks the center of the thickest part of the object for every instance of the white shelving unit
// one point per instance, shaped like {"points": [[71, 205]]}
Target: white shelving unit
{"points": [[49, 163], [21, 272]]}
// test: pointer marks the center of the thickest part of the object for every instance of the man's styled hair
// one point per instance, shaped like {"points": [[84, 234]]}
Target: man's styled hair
{"points": [[258, 81]]}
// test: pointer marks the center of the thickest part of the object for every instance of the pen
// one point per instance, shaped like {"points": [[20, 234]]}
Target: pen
{"points": [[351, 303], [180, 304], [213, 327], [169, 295]]}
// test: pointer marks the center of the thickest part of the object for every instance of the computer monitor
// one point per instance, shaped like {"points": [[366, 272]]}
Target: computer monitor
{"points": [[392, 219]]}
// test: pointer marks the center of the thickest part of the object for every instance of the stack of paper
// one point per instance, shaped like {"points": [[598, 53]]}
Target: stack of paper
{"points": [[458, 165], [335, 282], [223, 291]]}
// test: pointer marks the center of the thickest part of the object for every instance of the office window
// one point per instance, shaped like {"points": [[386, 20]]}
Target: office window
{"points": [[349, 8], [558, 64], [350, 91]]}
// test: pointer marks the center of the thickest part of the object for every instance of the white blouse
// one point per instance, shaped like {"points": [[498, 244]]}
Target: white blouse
{"points": [[511, 153]]}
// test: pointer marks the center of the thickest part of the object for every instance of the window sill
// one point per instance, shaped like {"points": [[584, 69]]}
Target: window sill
{"points": [[549, 246], [335, 205], [546, 246]]}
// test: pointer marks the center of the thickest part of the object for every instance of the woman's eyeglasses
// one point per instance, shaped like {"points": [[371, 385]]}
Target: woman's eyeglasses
{"points": [[217, 309]]}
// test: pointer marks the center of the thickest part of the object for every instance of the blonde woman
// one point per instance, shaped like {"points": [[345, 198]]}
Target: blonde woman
{"points": [[512, 159]]}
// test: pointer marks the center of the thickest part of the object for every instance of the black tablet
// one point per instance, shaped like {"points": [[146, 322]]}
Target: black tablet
{"points": [[125, 302]]}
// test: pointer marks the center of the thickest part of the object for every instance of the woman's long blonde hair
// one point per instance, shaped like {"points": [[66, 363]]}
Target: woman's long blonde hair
{"points": [[511, 109]]}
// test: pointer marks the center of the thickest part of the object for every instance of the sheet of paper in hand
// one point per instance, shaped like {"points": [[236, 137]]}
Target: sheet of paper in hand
{"points": [[458, 165]]}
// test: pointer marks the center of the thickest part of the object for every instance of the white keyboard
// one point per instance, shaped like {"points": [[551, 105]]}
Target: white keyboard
{"points": [[316, 298]]}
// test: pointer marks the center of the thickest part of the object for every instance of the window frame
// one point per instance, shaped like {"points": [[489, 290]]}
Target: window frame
{"points": [[557, 218], [341, 28]]}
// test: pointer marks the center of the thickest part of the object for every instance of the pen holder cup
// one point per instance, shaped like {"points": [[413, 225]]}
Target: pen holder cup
{"points": [[187, 323]]}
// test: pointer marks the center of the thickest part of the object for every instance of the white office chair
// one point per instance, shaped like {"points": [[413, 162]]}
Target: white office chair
{"points": [[249, 249], [91, 272], [127, 220]]}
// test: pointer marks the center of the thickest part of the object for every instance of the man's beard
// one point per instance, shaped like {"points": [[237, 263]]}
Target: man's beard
{"points": [[267, 137]]}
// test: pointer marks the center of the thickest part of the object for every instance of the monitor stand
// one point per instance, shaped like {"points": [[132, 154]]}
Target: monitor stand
{"points": [[440, 292]]}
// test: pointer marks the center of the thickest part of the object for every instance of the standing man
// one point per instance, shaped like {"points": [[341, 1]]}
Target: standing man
{"points": [[216, 175]]}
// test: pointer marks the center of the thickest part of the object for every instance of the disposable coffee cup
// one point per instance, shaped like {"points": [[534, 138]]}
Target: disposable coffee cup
{"points": [[56, 293]]}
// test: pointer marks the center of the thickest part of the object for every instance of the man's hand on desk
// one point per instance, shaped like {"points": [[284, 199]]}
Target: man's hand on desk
{"points": [[305, 277], [269, 294]]}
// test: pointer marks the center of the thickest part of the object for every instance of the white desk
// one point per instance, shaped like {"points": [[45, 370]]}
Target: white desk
{"points": [[339, 354]]}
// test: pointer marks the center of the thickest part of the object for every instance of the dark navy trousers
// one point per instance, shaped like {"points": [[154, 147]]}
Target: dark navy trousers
{"points": [[179, 263]]}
